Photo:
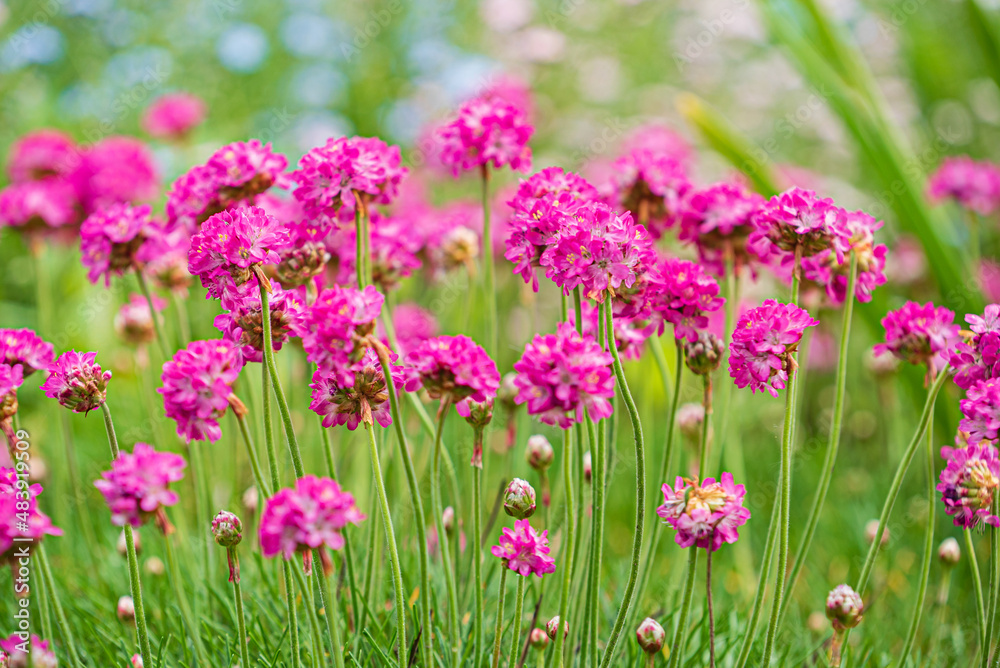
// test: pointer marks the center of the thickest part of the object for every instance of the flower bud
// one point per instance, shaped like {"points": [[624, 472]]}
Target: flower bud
{"points": [[844, 608], [480, 413], [553, 624], [300, 264], [134, 323], [539, 639], [871, 528], [227, 529], [588, 467], [448, 519], [689, 420], [137, 661], [126, 609], [4, 659], [508, 390], [251, 499], [539, 452], [704, 355], [949, 552], [650, 636], [122, 546], [519, 499], [154, 566], [460, 247]]}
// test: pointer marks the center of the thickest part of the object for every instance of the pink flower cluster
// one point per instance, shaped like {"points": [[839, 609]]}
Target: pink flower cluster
{"points": [[137, 486], [312, 514], [173, 116], [365, 400], [797, 221], [969, 483], [973, 185], [25, 348], [244, 324], [453, 369], [197, 386], [920, 335], [826, 270], [42, 655], [978, 357], [413, 326], [11, 378], [524, 550], [20, 517], [717, 220], [485, 131], [981, 411], [760, 354], [77, 382], [683, 294], [111, 240], [652, 184], [333, 327], [707, 514], [560, 375]]}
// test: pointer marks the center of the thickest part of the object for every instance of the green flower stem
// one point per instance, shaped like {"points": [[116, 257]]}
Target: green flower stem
{"points": [[258, 475], [183, 325], [498, 632], [390, 538], [418, 508], [302, 581], [706, 432], [600, 490], [182, 601], [711, 614], [758, 600], [833, 444], [438, 510], [994, 578], [680, 632], [50, 586], [154, 315], [569, 543], [516, 624], [977, 582], [488, 269], [925, 566], [640, 494], [477, 552], [361, 245], [43, 599], [135, 585], [202, 499], [329, 606], [241, 622]]}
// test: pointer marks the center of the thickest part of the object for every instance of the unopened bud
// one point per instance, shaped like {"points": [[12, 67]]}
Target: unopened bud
{"points": [[251, 498], [871, 528], [508, 390], [448, 519], [539, 452], [588, 467], [227, 529], [480, 413], [949, 552], [553, 625], [137, 661], [650, 636], [844, 607], [154, 566], [539, 639], [704, 355], [689, 420], [519, 499], [126, 609]]}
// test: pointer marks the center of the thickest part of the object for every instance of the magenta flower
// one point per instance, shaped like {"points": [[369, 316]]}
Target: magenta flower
{"points": [[978, 356], [117, 170], [797, 221], [968, 484], [11, 378], [244, 324], [42, 655], [560, 375], [705, 515], [134, 321], [137, 486], [333, 327], [413, 326], [39, 206], [973, 185], [765, 337], [197, 387], [41, 155], [25, 348], [453, 369], [824, 269], [718, 220], [981, 409], [486, 131], [683, 295], [652, 185], [77, 382], [365, 400], [111, 240], [392, 248], [920, 335], [312, 514], [20, 517], [524, 550], [173, 116]]}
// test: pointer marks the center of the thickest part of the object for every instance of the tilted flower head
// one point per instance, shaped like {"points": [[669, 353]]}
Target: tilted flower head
{"points": [[683, 294], [765, 337], [453, 369], [539, 453], [138, 485], [111, 240], [364, 400], [313, 513], [173, 116], [969, 482], [330, 176], [920, 335], [25, 348], [844, 607], [134, 321], [333, 326], [707, 514], [949, 552], [485, 131], [524, 550], [797, 221], [42, 655], [77, 382], [650, 636], [20, 520], [560, 375], [973, 185], [718, 220], [227, 529], [40, 155], [978, 356], [704, 354], [197, 386], [519, 499], [244, 324]]}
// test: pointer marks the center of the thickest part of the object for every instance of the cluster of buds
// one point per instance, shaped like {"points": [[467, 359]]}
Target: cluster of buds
{"points": [[480, 415], [519, 499], [844, 609], [126, 609], [227, 530], [77, 382], [650, 636], [704, 354], [552, 627], [301, 263]]}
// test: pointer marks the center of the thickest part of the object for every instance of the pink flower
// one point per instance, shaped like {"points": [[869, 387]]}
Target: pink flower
{"points": [[920, 335], [41, 155], [798, 219], [453, 369], [164, 257], [39, 205], [760, 354], [682, 294], [718, 219], [77, 382], [42, 655], [524, 550], [134, 322], [137, 486], [486, 130], [329, 176], [333, 326], [173, 116], [824, 269], [11, 378], [661, 140], [981, 409], [117, 170], [652, 185], [111, 240], [413, 325], [968, 484], [392, 247], [978, 356], [705, 515], [24, 347], [365, 400], [973, 185], [20, 517], [244, 324], [560, 375], [312, 514], [630, 332], [197, 386]]}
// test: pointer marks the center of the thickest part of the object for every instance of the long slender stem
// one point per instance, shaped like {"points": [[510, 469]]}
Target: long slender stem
{"points": [[833, 443], [498, 632], [994, 583], [567, 557], [390, 537], [182, 601], [640, 493], [360, 245], [240, 617], [302, 580], [600, 489], [706, 430], [711, 613], [64, 627], [516, 624], [258, 475], [135, 585], [438, 510], [329, 607], [977, 582], [153, 314], [488, 268], [758, 601], [680, 632], [477, 554]]}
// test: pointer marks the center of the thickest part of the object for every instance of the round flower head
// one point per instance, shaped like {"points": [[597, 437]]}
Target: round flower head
{"points": [[311, 514], [519, 499], [304, 257], [331, 328], [683, 295], [485, 131], [134, 321], [25, 348], [41, 155], [920, 335], [11, 378], [39, 208], [977, 357], [552, 627], [690, 418], [331, 176], [453, 369], [652, 185], [797, 221], [705, 515], [650, 636], [244, 325], [173, 116], [524, 550], [364, 400], [969, 483], [126, 609], [117, 170], [21, 522], [227, 529], [704, 354], [973, 185], [137, 486], [560, 375], [197, 387], [824, 269], [844, 607], [42, 655], [949, 552], [539, 452], [539, 639], [718, 220], [765, 337], [111, 240], [77, 382]]}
